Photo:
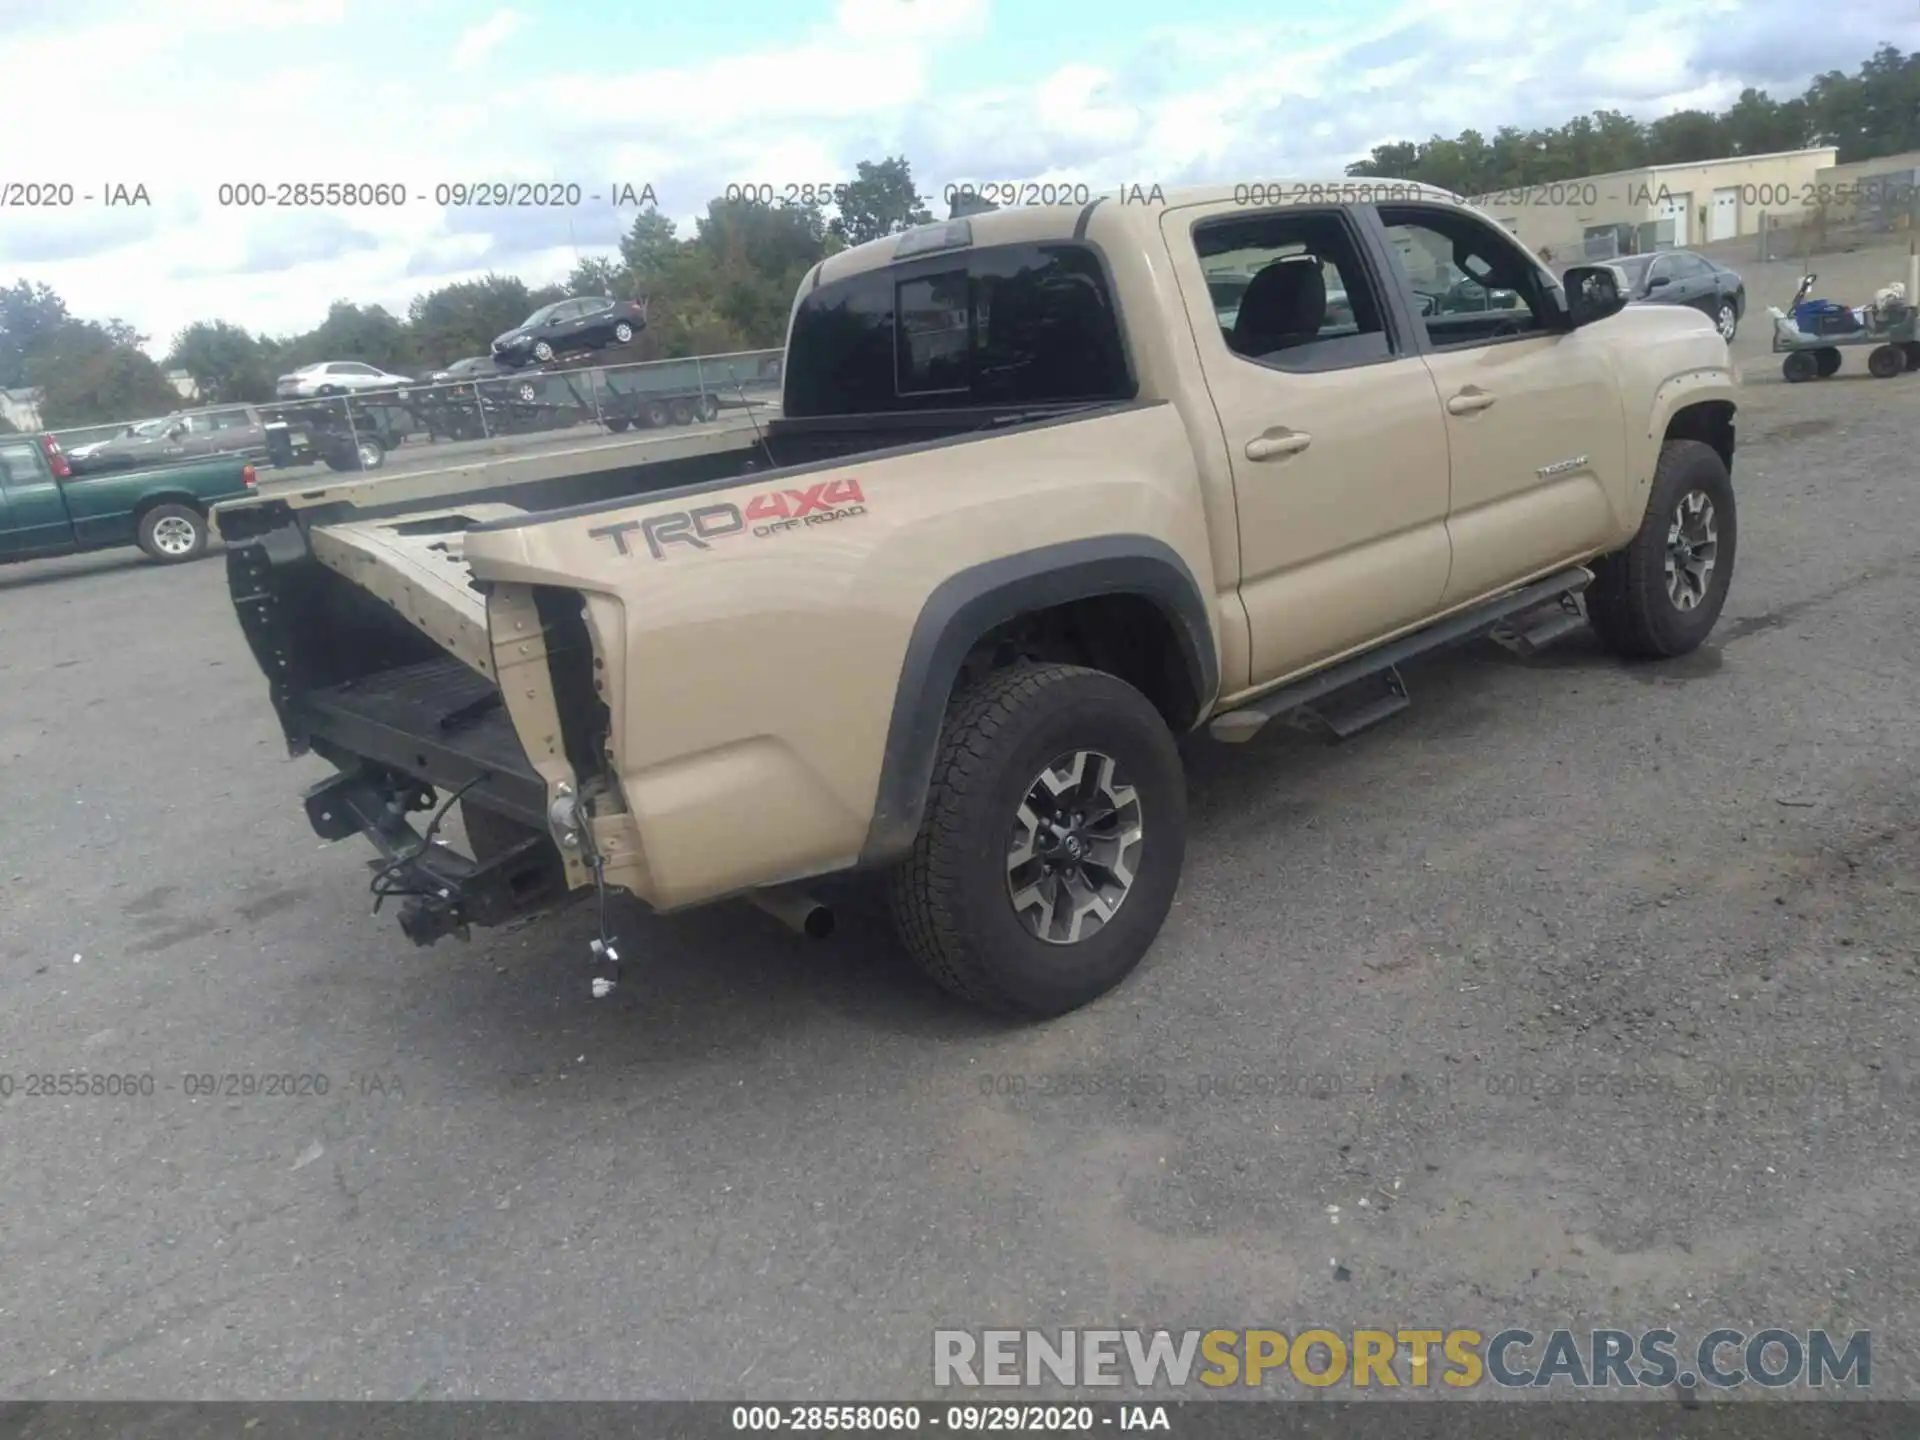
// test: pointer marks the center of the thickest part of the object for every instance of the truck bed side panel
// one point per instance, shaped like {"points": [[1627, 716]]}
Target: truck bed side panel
{"points": [[750, 639]]}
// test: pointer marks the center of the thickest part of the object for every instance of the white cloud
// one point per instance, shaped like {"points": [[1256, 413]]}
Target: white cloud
{"points": [[473, 47], [207, 92]]}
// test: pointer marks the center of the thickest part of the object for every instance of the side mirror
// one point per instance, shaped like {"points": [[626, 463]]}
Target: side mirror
{"points": [[176, 432], [1594, 292], [1658, 281]]}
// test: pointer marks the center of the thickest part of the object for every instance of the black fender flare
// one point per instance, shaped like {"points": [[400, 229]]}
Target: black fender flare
{"points": [[969, 604]]}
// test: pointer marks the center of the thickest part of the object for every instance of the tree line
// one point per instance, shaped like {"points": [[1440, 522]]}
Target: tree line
{"points": [[1873, 112], [728, 285]]}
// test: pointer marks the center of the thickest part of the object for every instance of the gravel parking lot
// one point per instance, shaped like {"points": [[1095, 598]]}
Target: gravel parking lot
{"points": [[1586, 991]]}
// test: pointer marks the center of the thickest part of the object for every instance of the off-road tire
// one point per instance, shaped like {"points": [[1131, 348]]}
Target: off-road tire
{"points": [[1629, 604], [163, 521], [950, 896]]}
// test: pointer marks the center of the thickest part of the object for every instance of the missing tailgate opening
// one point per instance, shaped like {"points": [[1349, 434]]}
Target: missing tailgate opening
{"points": [[585, 721]]}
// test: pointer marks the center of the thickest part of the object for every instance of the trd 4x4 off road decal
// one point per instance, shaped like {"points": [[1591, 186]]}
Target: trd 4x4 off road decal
{"points": [[771, 512]]}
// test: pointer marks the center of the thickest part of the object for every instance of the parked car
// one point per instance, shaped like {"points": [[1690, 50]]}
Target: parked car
{"points": [[336, 377], [49, 508], [129, 437], [1680, 277], [1466, 296], [841, 640], [581, 323], [223, 430], [474, 367]]}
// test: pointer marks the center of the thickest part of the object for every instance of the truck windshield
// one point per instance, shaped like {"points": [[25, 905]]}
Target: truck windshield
{"points": [[1026, 324]]}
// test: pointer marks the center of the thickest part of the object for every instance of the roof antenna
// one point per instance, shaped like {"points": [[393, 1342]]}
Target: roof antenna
{"points": [[747, 405]]}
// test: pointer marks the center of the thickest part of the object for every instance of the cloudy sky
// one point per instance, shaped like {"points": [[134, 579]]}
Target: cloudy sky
{"points": [[183, 96]]}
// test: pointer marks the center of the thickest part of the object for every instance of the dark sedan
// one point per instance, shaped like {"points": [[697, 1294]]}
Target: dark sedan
{"points": [[1680, 277], [570, 326]]}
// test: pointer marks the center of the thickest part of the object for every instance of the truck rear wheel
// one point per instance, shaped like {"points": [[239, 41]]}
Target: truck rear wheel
{"points": [[1055, 829], [173, 533], [1660, 596]]}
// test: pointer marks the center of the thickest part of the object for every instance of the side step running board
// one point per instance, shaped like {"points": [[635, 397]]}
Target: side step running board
{"points": [[1528, 635], [1358, 694]]}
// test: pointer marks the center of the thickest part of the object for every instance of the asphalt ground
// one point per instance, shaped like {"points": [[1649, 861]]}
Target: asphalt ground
{"points": [[1586, 991]]}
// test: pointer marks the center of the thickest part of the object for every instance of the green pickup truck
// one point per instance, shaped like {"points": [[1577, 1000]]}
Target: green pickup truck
{"points": [[48, 509]]}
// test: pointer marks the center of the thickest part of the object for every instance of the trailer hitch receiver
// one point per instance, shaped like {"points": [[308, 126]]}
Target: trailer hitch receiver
{"points": [[443, 891]]}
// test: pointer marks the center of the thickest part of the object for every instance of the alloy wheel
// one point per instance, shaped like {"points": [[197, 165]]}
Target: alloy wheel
{"points": [[1693, 543], [1076, 839]]}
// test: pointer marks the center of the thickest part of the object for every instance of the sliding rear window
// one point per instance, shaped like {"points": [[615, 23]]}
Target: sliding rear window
{"points": [[1004, 325]]}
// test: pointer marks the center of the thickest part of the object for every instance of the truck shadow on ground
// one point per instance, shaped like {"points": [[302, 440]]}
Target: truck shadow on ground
{"points": [[728, 982], [728, 978]]}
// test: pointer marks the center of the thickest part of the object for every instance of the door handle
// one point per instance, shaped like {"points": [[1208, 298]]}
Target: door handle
{"points": [[1278, 443], [1469, 401]]}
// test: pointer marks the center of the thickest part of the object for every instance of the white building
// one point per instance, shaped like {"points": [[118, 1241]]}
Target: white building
{"points": [[21, 409], [1661, 206]]}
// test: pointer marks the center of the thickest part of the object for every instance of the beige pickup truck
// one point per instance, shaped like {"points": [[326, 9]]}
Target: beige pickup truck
{"points": [[1039, 504]]}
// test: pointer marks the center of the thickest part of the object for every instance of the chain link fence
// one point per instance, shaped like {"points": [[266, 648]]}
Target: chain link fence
{"points": [[1868, 212], [460, 409]]}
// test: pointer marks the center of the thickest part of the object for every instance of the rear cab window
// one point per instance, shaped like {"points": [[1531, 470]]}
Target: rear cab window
{"points": [[1023, 324], [20, 462]]}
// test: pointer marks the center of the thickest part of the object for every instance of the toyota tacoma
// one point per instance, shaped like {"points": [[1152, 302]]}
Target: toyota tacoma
{"points": [[1033, 511]]}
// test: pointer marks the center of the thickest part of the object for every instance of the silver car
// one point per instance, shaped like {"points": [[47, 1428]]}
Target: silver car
{"points": [[336, 377]]}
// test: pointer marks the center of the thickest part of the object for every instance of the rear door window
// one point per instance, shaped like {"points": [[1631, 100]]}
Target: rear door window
{"points": [[1003, 325], [19, 462], [1296, 293]]}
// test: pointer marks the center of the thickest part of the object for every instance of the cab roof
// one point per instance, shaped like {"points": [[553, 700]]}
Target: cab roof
{"points": [[1139, 204]]}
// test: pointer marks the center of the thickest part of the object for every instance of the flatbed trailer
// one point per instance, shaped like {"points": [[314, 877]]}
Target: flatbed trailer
{"points": [[653, 395], [355, 432], [344, 432]]}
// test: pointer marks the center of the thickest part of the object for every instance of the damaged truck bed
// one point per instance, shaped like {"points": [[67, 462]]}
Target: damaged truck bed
{"points": [[1034, 508], [425, 686]]}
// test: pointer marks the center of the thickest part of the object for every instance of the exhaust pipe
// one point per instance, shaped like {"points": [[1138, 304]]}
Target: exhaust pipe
{"points": [[800, 913]]}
